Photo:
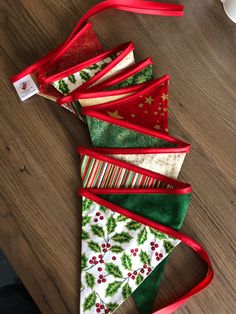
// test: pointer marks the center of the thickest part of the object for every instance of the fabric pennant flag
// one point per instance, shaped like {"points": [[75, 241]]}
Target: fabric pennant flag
{"points": [[107, 131], [135, 74], [164, 161], [145, 104], [118, 254], [84, 46]]}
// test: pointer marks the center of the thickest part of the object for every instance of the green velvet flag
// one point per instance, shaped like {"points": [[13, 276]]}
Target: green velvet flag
{"points": [[167, 209]]}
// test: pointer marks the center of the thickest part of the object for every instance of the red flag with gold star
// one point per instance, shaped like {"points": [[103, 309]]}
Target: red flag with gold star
{"points": [[144, 105]]}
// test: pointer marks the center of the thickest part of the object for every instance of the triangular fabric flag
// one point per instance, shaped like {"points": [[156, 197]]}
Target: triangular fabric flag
{"points": [[84, 46], [167, 162], [108, 278], [107, 131], [118, 254], [102, 171], [145, 105], [138, 73]]}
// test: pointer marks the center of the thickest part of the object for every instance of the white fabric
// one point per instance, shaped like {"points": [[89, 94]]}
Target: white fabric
{"points": [[113, 268], [165, 164]]}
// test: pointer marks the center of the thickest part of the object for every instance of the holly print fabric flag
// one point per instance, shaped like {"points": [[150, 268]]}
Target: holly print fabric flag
{"points": [[105, 221], [66, 85], [118, 254], [134, 75]]}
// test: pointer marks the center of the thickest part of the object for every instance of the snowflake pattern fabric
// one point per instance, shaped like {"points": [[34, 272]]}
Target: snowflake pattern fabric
{"points": [[118, 254], [140, 77]]}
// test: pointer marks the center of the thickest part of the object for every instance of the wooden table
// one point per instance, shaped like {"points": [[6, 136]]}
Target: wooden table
{"points": [[40, 212]]}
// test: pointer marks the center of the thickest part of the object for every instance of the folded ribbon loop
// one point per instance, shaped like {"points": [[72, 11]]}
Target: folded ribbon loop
{"points": [[139, 6]]}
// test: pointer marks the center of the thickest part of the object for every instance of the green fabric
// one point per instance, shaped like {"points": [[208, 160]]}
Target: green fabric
{"points": [[104, 134], [144, 296], [166, 209], [142, 76]]}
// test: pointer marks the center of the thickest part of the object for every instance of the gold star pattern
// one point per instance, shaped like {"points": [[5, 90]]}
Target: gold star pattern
{"points": [[145, 111], [162, 114], [164, 97], [157, 127], [149, 100], [165, 109], [132, 115], [115, 115], [155, 113], [140, 105], [166, 129]]}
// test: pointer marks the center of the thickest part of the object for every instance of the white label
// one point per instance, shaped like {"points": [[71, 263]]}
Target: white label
{"points": [[26, 87]]}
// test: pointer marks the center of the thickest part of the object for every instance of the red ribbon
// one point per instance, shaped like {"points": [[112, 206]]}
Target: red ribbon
{"points": [[135, 6]]}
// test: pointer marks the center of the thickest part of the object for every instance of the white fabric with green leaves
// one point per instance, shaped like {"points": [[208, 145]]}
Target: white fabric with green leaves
{"points": [[68, 84], [117, 255]]}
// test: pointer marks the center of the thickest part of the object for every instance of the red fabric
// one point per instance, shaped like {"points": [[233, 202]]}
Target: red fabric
{"points": [[141, 7], [81, 45], [147, 107], [84, 47], [149, 110]]}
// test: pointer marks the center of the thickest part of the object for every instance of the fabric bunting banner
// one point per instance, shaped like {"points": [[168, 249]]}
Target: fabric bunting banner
{"points": [[133, 205]]}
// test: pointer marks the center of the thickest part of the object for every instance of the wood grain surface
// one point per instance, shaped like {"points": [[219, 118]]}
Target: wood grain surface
{"points": [[40, 212]]}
